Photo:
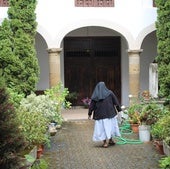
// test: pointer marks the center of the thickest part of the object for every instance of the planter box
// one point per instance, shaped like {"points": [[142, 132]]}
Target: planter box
{"points": [[166, 148], [33, 153]]}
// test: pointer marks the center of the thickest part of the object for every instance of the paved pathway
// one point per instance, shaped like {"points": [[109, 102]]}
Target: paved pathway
{"points": [[72, 148]]}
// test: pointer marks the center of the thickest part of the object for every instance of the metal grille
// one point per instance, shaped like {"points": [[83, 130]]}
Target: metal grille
{"points": [[94, 3], [3, 3]]}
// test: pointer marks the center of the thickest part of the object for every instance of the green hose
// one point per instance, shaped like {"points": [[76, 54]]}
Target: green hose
{"points": [[125, 129]]}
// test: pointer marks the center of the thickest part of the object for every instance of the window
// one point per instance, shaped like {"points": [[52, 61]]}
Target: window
{"points": [[94, 3], [3, 3]]}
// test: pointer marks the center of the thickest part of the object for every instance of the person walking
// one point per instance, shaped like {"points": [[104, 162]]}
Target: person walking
{"points": [[102, 106]]}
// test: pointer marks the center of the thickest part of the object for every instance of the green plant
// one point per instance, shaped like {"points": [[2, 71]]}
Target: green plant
{"points": [[134, 113], [156, 131], [72, 97], [29, 158], [15, 97], [164, 163], [42, 104], [58, 93], [161, 128], [40, 164], [33, 126], [151, 112], [167, 140]]}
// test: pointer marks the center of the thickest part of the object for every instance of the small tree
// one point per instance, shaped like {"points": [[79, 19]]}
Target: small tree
{"points": [[163, 37], [17, 46], [11, 141]]}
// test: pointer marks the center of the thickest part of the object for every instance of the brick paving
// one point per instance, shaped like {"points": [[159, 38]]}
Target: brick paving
{"points": [[72, 148]]}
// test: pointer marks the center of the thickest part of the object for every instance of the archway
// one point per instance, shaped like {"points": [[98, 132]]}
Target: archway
{"points": [[90, 59]]}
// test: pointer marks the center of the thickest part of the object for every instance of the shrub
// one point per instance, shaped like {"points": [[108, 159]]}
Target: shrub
{"points": [[33, 126], [43, 105], [58, 94], [11, 139]]}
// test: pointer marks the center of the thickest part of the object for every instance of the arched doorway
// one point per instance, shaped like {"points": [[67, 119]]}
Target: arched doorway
{"points": [[88, 60]]}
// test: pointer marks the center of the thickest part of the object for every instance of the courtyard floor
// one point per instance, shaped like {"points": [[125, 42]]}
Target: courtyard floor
{"points": [[72, 148]]}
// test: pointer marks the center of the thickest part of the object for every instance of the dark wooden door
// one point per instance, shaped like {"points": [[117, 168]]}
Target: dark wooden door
{"points": [[88, 60]]}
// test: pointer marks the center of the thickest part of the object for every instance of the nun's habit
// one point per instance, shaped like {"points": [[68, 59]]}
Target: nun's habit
{"points": [[102, 107]]}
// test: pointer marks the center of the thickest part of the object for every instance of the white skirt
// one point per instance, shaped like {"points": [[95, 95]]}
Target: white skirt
{"points": [[105, 129]]}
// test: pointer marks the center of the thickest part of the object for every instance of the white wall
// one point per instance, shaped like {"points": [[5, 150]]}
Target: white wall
{"points": [[148, 55], [42, 55], [58, 18]]}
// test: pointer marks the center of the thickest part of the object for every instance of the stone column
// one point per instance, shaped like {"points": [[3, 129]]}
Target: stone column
{"points": [[54, 65], [153, 80], [134, 72]]}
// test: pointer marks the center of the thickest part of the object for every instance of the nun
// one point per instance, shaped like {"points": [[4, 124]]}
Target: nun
{"points": [[103, 109]]}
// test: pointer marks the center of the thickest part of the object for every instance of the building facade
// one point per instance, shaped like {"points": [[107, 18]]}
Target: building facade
{"points": [[81, 42]]}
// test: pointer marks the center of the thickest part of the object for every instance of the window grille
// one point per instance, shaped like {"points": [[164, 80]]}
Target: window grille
{"points": [[94, 3], [3, 3]]}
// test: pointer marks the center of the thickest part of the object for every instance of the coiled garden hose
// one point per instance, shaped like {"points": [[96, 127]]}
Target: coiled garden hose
{"points": [[126, 129]]}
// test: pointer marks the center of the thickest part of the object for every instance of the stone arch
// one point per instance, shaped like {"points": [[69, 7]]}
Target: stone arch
{"points": [[46, 36], [98, 23], [142, 35]]}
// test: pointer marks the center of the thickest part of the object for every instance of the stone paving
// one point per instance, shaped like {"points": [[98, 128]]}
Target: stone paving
{"points": [[72, 148]]}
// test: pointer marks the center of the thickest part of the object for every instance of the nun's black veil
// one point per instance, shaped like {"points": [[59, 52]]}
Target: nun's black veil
{"points": [[100, 92]]}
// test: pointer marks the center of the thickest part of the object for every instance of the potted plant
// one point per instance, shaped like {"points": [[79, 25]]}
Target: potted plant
{"points": [[150, 113], [159, 133], [33, 125], [134, 116], [146, 95]]}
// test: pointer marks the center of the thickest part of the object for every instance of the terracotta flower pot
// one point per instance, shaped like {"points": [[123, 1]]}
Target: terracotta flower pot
{"points": [[39, 151], [135, 128], [159, 146]]}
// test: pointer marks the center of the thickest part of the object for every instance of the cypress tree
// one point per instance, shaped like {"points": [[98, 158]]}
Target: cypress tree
{"points": [[11, 139], [20, 64], [163, 48], [8, 62]]}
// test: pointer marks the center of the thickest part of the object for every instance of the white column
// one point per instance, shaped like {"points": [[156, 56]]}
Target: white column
{"points": [[153, 80]]}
